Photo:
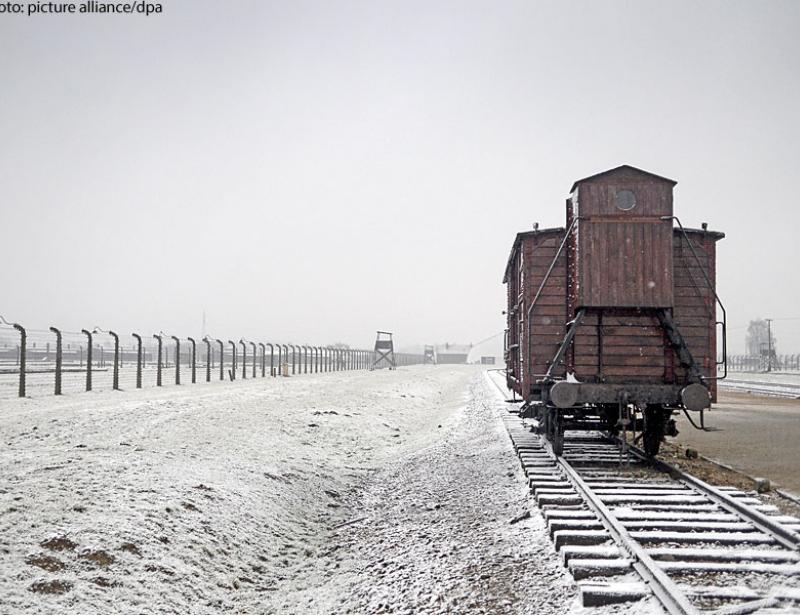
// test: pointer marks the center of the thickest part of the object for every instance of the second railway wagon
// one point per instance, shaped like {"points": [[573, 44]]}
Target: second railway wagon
{"points": [[612, 320]]}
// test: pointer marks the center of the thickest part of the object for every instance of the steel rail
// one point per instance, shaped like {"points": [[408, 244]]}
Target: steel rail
{"points": [[780, 533], [665, 590]]}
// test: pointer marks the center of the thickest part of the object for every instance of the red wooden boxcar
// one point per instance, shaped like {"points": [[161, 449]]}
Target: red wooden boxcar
{"points": [[615, 315]]}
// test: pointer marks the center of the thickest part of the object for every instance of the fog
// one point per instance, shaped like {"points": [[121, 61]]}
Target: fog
{"points": [[315, 171]]}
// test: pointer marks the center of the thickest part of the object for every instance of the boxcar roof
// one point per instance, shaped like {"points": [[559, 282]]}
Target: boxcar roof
{"points": [[624, 167], [520, 237], [699, 231]]}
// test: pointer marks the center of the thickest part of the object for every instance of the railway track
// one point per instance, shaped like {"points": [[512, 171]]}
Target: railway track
{"points": [[629, 529], [770, 389]]}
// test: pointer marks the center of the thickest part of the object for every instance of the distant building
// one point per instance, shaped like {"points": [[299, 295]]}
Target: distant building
{"points": [[487, 360], [452, 354]]}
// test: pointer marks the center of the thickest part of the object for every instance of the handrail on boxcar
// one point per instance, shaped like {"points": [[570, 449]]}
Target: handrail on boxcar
{"points": [[541, 288], [724, 321]]}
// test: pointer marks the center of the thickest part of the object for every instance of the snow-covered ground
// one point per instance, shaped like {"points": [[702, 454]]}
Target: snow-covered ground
{"points": [[778, 384], [343, 492], [204, 498]]}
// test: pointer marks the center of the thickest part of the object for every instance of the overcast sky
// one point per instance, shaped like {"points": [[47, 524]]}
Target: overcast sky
{"points": [[314, 171]]}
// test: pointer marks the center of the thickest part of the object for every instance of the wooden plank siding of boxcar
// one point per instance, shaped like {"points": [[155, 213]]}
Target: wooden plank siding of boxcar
{"points": [[623, 258], [513, 339], [694, 309], [621, 263], [548, 319], [619, 346]]}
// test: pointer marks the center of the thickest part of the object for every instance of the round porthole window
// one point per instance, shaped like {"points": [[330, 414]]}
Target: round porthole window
{"points": [[626, 200]]}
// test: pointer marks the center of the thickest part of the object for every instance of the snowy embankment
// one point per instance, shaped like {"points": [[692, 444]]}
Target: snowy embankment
{"points": [[200, 499]]}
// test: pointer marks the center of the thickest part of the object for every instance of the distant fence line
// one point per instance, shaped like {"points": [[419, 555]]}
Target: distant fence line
{"points": [[757, 363], [59, 361]]}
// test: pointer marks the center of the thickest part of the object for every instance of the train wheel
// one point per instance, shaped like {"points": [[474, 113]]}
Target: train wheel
{"points": [[655, 422], [558, 444], [556, 432], [652, 443]]}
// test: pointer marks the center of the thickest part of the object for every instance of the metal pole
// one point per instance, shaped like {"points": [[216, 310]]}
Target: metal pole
{"points": [[194, 359], [769, 344], [88, 360], [158, 364], [138, 359], [115, 381]]}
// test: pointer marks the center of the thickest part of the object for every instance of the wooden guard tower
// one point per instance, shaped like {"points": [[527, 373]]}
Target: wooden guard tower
{"points": [[430, 356], [384, 351]]}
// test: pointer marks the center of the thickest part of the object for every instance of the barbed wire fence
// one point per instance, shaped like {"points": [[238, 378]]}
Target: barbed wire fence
{"points": [[37, 362]]}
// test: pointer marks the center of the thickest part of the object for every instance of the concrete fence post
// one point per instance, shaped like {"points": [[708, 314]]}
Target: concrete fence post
{"points": [[138, 339], [234, 360], [158, 360], [253, 346], [59, 359], [88, 359], [22, 357], [207, 342], [221, 356], [194, 359], [115, 378], [263, 359], [272, 347], [271, 358], [177, 358], [244, 359]]}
